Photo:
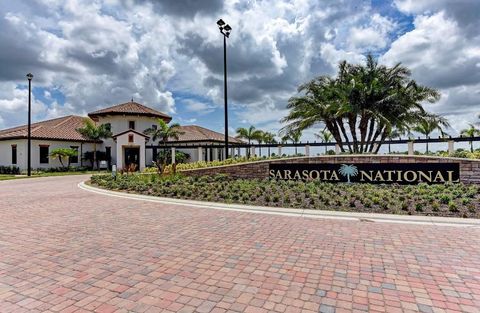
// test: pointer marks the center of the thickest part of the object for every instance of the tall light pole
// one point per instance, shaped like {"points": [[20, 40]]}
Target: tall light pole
{"points": [[29, 146], [225, 30]]}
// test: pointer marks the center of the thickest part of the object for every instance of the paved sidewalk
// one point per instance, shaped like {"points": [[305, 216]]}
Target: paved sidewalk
{"points": [[63, 249]]}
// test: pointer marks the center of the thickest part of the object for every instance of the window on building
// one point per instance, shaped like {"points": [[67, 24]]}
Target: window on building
{"points": [[14, 154], [131, 124], [44, 154], [108, 153], [130, 138], [74, 159]]}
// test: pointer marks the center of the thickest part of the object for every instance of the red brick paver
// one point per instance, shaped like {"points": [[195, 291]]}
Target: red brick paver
{"points": [[67, 250]]}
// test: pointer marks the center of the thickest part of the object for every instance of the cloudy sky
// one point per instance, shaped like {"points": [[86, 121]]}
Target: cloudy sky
{"points": [[168, 54]]}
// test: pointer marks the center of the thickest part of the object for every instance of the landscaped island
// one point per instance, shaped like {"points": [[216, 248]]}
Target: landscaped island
{"points": [[457, 200]]}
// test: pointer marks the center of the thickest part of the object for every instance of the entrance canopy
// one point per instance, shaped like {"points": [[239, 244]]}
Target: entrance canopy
{"points": [[130, 147]]}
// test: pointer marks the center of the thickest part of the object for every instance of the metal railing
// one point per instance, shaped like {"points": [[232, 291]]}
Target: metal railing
{"points": [[220, 144]]}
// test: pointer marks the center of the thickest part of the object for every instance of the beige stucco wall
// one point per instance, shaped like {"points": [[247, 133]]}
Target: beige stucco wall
{"points": [[119, 124], [122, 143], [6, 152]]}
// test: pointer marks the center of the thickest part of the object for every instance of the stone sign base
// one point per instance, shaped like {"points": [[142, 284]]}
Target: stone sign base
{"points": [[469, 169]]}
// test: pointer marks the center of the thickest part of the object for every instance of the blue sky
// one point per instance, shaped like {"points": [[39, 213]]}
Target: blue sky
{"points": [[88, 54]]}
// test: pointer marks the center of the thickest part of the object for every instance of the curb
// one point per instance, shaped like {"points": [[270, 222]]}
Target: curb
{"points": [[352, 216]]}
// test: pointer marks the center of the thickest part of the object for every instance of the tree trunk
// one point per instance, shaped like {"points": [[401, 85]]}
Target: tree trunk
{"points": [[371, 131], [471, 146], [94, 156], [344, 132], [363, 131], [61, 162], [378, 132], [352, 124], [333, 128], [384, 135]]}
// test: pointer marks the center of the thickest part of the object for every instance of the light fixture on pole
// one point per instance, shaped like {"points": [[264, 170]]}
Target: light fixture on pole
{"points": [[225, 30], [29, 146]]}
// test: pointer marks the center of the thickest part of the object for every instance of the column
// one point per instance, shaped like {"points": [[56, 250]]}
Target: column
{"points": [[410, 148], [451, 147], [375, 146], [173, 155], [200, 154], [337, 148], [252, 149], [279, 150], [208, 151], [215, 154], [232, 153], [307, 150]]}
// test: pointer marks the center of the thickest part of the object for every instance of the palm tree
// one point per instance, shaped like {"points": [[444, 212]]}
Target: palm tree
{"points": [[361, 104], [62, 153], [294, 136], [325, 136], [94, 133], [269, 138], [249, 134], [260, 141], [393, 134], [472, 131], [426, 126], [348, 170], [164, 132]]}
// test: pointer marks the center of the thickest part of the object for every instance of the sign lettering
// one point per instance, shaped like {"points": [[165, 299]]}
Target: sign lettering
{"points": [[373, 173]]}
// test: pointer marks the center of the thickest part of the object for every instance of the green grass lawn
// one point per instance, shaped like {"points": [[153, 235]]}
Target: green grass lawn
{"points": [[8, 177], [36, 175], [70, 173]]}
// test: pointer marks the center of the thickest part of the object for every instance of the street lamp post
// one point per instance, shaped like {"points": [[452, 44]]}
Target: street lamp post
{"points": [[225, 30], [29, 145]]}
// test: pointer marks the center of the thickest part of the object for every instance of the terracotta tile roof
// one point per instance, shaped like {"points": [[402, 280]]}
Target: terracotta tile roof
{"points": [[65, 128], [198, 133], [62, 128], [130, 108]]}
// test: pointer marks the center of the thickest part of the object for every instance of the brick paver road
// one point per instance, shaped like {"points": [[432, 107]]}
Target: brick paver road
{"points": [[67, 250]]}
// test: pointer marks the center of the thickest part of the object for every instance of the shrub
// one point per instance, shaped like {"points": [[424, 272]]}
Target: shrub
{"points": [[10, 170], [452, 207], [445, 199], [419, 207]]}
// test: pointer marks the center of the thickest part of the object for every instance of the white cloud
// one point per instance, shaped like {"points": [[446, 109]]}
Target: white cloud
{"points": [[440, 56], [99, 53], [373, 36], [198, 107]]}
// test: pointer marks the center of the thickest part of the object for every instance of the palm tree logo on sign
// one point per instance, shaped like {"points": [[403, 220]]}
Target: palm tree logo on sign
{"points": [[348, 171]]}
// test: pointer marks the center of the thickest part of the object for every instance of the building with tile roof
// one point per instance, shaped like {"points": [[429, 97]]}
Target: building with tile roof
{"points": [[128, 145]]}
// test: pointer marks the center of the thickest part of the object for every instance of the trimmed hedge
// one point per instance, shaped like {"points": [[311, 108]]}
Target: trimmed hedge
{"points": [[10, 170]]}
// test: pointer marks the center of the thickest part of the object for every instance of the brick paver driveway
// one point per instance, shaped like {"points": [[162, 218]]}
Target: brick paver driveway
{"points": [[65, 249]]}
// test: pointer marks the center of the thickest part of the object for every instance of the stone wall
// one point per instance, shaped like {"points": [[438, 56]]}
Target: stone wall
{"points": [[469, 169]]}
